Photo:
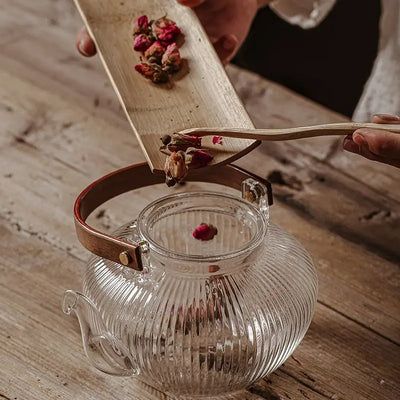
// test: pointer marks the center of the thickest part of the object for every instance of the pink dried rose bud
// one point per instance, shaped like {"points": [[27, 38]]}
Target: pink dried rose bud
{"points": [[166, 30], [196, 158], [175, 168], [142, 42], [183, 142], [153, 72], [155, 52], [141, 25], [217, 139], [205, 232], [171, 60]]}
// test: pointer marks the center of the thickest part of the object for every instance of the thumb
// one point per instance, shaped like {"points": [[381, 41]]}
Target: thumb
{"points": [[225, 47], [381, 143]]}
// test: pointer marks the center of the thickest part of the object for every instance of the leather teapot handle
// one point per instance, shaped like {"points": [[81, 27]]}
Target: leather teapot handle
{"points": [[131, 178]]}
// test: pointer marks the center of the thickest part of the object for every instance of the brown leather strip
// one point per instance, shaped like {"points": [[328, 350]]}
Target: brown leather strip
{"points": [[130, 178]]}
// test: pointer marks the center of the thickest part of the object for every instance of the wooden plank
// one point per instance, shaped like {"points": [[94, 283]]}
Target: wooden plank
{"points": [[315, 176], [331, 197], [63, 128], [272, 106], [50, 157], [334, 358]]}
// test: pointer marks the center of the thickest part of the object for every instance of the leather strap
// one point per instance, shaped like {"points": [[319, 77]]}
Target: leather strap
{"points": [[130, 178]]}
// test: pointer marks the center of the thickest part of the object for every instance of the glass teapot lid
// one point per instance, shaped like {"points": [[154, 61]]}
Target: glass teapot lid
{"points": [[202, 226], [167, 225]]}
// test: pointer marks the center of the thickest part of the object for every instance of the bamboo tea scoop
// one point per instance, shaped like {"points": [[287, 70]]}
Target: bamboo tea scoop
{"points": [[199, 95], [289, 133]]}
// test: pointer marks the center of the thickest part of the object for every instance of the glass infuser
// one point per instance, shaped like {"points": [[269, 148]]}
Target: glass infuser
{"points": [[192, 318]]}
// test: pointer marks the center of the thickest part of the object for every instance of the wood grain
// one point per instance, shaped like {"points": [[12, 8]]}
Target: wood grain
{"points": [[203, 96]]}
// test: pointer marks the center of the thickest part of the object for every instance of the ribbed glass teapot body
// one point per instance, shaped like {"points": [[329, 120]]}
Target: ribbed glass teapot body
{"points": [[211, 318]]}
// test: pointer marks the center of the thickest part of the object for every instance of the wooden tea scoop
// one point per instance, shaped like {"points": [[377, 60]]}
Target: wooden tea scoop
{"points": [[199, 95], [289, 133]]}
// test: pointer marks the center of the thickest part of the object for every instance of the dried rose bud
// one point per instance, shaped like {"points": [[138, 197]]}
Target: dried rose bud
{"points": [[183, 142], [175, 166], [166, 30], [155, 52], [217, 139], [171, 60], [196, 158], [141, 25], [142, 42], [166, 139], [170, 181], [153, 72], [205, 232]]}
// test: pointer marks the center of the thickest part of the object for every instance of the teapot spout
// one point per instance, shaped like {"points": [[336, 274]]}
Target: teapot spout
{"points": [[105, 352]]}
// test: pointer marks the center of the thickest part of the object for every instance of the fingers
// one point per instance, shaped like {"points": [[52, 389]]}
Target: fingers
{"points": [[85, 44], [226, 47], [385, 119], [190, 3], [352, 147], [376, 145], [381, 143]]}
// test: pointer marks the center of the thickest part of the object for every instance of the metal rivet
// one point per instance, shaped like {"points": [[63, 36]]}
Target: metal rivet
{"points": [[125, 258], [213, 268]]}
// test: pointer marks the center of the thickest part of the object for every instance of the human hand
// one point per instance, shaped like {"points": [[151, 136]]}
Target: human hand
{"points": [[227, 23], [375, 144]]}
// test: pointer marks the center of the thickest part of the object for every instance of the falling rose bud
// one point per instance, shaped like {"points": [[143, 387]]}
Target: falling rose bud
{"points": [[166, 30], [171, 60], [141, 25], [175, 167], [217, 139], [153, 72], [142, 42], [155, 52], [205, 232], [183, 142], [170, 181], [196, 158]]}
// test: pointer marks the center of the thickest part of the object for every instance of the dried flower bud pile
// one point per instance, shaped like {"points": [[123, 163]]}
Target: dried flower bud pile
{"points": [[156, 40]]}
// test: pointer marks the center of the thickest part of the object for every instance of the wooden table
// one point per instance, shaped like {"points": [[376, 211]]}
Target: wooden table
{"points": [[62, 127]]}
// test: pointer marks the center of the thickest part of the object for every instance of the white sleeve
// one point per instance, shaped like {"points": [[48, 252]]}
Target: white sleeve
{"points": [[305, 13]]}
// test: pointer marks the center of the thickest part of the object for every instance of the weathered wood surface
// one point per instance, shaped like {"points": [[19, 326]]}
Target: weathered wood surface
{"points": [[62, 127]]}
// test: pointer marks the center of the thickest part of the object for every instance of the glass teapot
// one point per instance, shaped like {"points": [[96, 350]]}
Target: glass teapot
{"points": [[189, 317]]}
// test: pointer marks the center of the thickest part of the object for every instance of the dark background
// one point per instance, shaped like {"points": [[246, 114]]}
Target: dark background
{"points": [[329, 64]]}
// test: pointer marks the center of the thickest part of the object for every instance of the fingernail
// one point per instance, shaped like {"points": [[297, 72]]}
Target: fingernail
{"points": [[359, 139], [82, 47], [388, 117]]}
